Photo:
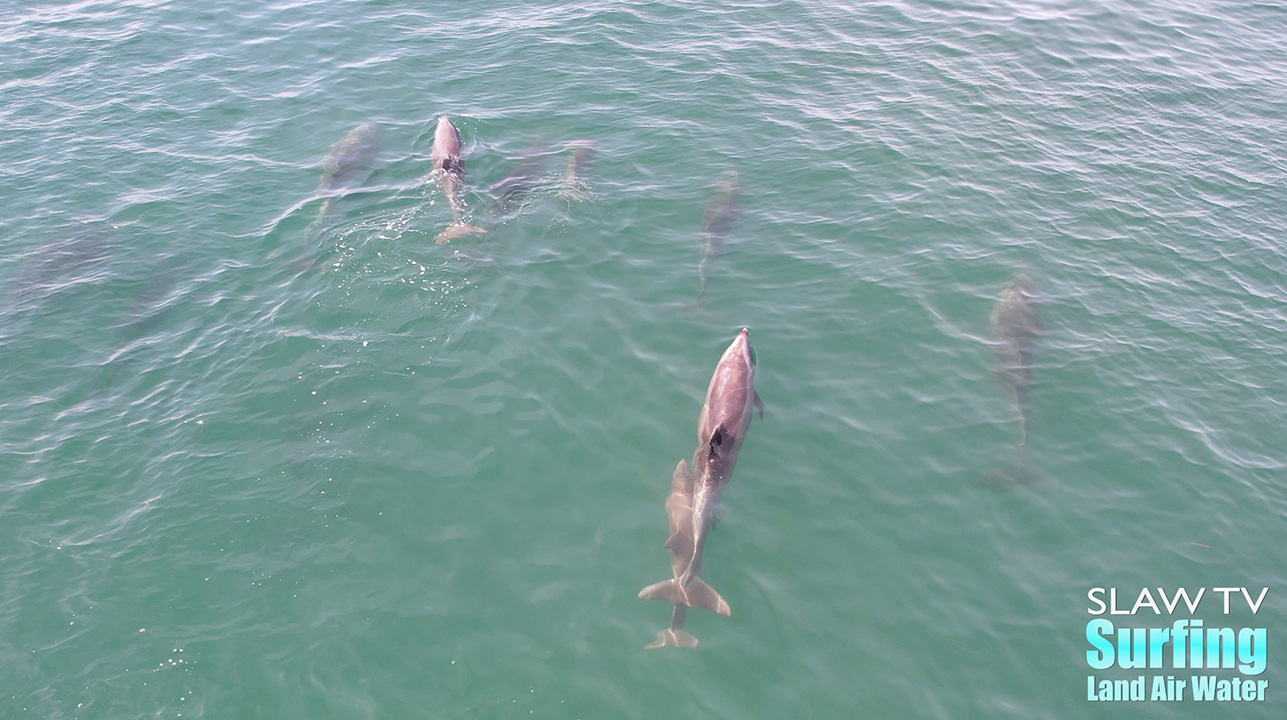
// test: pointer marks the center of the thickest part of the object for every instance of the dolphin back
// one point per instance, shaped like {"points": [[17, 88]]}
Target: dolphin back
{"points": [[445, 152]]}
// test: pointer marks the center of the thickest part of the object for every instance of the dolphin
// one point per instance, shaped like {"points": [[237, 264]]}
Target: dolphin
{"points": [[1015, 326], [579, 154], [450, 169], [353, 152], [678, 509], [718, 221], [74, 258], [521, 180], [695, 490]]}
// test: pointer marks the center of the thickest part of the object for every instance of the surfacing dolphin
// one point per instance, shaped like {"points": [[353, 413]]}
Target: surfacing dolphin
{"points": [[450, 169], [695, 490], [353, 152], [1015, 326], [718, 221]]}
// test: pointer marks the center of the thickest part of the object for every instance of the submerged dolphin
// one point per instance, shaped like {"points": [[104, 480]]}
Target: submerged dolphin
{"points": [[63, 261], [1015, 326], [678, 510], [350, 154], [579, 154], [450, 169], [695, 490], [518, 182], [718, 221]]}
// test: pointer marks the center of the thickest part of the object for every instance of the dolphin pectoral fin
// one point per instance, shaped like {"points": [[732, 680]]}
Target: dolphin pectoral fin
{"points": [[695, 594], [672, 637], [759, 405], [456, 231]]}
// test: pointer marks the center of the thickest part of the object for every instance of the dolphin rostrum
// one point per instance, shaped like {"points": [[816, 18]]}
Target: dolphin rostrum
{"points": [[1015, 327], [695, 490], [450, 169]]}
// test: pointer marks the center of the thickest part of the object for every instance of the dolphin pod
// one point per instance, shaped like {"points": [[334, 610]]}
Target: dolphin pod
{"points": [[695, 490], [450, 169], [356, 150], [528, 175]]}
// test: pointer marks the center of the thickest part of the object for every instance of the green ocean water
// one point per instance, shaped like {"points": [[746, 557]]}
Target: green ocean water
{"points": [[268, 451]]}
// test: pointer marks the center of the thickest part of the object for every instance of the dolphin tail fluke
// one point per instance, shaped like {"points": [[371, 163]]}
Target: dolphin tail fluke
{"points": [[672, 637], [1019, 473], [702, 595], [455, 231], [667, 590], [696, 593]]}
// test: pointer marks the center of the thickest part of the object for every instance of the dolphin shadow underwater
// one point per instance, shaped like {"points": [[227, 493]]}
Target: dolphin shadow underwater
{"points": [[1015, 326], [692, 506]]}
